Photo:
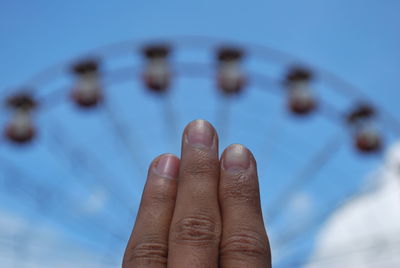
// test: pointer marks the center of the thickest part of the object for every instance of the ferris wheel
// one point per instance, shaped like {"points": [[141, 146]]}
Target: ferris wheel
{"points": [[79, 135]]}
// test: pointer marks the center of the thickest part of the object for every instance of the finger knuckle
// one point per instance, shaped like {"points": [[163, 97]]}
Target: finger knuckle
{"points": [[245, 244], [197, 230], [148, 252]]}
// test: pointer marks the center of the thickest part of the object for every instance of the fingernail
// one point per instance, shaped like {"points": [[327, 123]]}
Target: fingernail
{"points": [[236, 157], [200, 132], [167, 166]]}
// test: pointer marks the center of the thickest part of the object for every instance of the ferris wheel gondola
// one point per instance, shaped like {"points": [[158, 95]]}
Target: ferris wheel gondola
{"points": [[21, 128]]}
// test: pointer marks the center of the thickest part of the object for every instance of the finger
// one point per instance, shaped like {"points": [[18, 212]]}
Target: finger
{"points": [[148, 245], [244, 241], [196, 224]]}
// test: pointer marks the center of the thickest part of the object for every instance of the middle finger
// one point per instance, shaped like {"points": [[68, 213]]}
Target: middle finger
{"points": [[196, 224]]}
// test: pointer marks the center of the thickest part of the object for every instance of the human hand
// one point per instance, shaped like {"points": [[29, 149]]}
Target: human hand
{"points": [[200, 211]]}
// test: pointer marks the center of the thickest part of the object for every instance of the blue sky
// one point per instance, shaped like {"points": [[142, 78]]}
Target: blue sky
{"points": [[357, 40]]}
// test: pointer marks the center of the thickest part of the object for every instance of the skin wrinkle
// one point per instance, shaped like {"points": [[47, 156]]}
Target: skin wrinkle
{"points": [[244, 243], [199, 230], [149, 252]]}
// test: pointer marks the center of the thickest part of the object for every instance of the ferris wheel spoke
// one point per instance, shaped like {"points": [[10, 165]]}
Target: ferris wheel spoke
{"points": [[290, 237], [56, 211], [223, 116], [81, 161], [130, 142], [63, 201], [274, 136], [171, 120], [26, 235], [306, 175]]}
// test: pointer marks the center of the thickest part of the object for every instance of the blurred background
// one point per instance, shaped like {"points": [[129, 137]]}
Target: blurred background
{"points": [[93, 91]]}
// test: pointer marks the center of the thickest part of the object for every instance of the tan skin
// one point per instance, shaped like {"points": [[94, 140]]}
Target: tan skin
{"points": [[199, 210]]}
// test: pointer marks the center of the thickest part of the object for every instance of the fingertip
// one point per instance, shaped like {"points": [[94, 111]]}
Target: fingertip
{"points": [[166, 165], [237, 157], [199, 121], [200, 132], [238, 177]]}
